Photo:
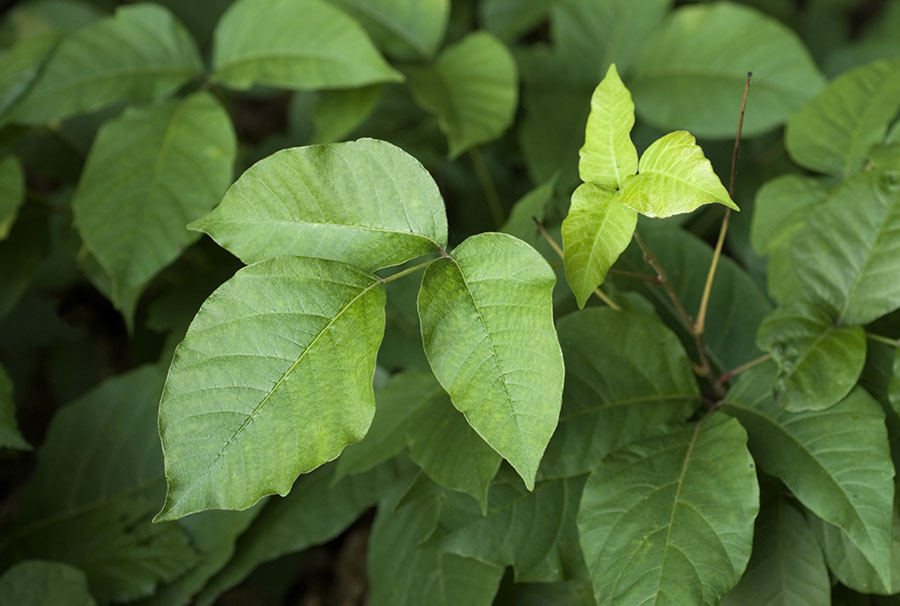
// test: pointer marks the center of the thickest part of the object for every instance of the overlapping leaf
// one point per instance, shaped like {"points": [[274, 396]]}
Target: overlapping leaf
{"points": [[140, 53], [12, 193], [20, 69], [670, 519], [273, 379], [781, 209], [10, 436], [531, 206], [172, 162], [487, 327], [36, 582], [366, 202], [405, 29], [306, 44]]}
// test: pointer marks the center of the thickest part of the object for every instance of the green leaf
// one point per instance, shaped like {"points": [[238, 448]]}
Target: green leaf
{"points": [[626, 375], [21, 255], [674, 177], [171, 161], [407, 30], [472, 88], [608, 155], [531, 206], [836, 462], [273, 379], [510, 19], [305, 44], [833, 132], [12, 193], [10, 436], [818, 362], [487, 326], [366, 202], [787, 566], [567, 593], [848, 251], [782, 208], [97, 482], [37, 583], [20, 69], [140, 53], [670, 519], [534, 532], [691, 74], [596, 231], [337, 113]]}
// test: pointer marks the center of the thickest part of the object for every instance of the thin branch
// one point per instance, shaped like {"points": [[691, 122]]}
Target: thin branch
{"points": [[704, 300], [487, 184], [559, 251], [882, 339], [410, 270], [727, 376]]}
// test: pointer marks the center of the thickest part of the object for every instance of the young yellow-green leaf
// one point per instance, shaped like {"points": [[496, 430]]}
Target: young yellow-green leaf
{"points": [[141, 52], [171, 161], [306, 44], [626, 375], [21, 67], [12, 193], [818, 362], [10, 436], [39, 583], [834, 130], [273, 379], [486, 314], [409, 30], [787, 566], [473, 88], [366, 202], [848, 254], [595, 232], [836, 462], [608, 155], [669, 519], [691, 73], [781, 209], [674, 177]]}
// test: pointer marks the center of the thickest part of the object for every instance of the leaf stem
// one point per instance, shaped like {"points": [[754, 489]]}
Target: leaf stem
{"points": [[556, 247], [412, 269], [487, 184], [882, 339], [704, 300], [727, 376]]}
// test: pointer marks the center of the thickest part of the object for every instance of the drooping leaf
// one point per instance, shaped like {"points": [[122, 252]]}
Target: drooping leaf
{"points": [[172, 162], [698, 85], [787, 566], [835, 461], [38, 583], [781, 209], [12, 193], [608, 155], [487, 326], [406, 29], [306, 44], [670, 519], [141, 52], [531, 206], [833, 132], [10, 436], [20, 69], [472, 88], [366, 202], [818, 362], [596, 231], [337, 113], [97, 482], [849, 251], [626, 375], [273, 379], [534, 532], [674, 177]]}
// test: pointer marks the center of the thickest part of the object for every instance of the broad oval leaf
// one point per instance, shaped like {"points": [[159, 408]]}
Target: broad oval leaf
{"points": [[12, 193], [674, 177], [834, 130], [366, 202], [37, 582], [473, 88], [20, 69], [836, 462], [818, 362], [596, 231], [782, 208], [849, 254], [608, 156], [486, 314], [669, 520], [273, 379], [172, 161], [305, 44], [140, 53], [627, 375], [691, 73]]}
